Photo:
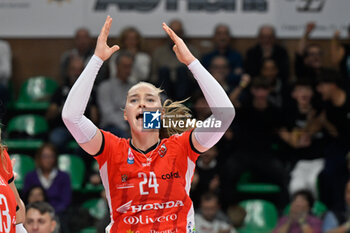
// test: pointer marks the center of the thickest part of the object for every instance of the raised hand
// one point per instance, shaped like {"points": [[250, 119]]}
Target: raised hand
{"points": [[102, 50], [310, 27], [183, 54]]}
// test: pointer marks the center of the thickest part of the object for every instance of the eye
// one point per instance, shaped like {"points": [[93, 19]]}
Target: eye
{"points": [[150, 100], [133, 101]]}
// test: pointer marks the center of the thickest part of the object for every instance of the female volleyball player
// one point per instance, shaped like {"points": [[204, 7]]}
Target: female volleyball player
{"points": [[9, 197], [147, 180]]}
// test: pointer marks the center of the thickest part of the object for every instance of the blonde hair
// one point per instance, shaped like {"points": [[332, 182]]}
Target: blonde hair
{"points": [[172, 110]]}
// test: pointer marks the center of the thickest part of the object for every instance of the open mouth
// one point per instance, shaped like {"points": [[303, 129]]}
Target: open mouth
{"points": [[139, 116]]}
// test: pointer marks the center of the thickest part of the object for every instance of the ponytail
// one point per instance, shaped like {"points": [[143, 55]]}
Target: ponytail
{"points": [[175, 111]]}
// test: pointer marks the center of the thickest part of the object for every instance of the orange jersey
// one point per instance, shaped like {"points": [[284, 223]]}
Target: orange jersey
{"points": [[7, 208], [148, 195], [7, 173]]}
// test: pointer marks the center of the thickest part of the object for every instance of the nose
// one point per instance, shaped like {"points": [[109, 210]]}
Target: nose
{"points": [[142, 104], [35, 226]]}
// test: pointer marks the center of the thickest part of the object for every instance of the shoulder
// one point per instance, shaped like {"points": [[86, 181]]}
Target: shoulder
{"points": [[314, 219], [112, 142], [255, 49], [104, 86], [280, 49], [142, 56], [63, 175]]}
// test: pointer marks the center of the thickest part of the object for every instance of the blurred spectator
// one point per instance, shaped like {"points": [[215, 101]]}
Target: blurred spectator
{"points": [[219, 68], [131, 41], [111, 96], [301, 131], [269, 71], [40, 218], [59, 134], [300, 125], [340, 54], [84, 48], [5, 75], [167, 72], [254, 134], [309, 57], [240, 93], [338, 221], [222, 42], [335, 121], [207, 219], [35, 194], [267, 47], [55, 182], [208, 175], [299, 219]]}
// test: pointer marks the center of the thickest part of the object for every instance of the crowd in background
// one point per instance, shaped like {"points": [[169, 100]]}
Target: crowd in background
{"points": [[290, 130]]}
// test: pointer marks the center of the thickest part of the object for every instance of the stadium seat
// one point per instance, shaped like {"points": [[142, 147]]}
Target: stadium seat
{"points": [[35, 94], [90, 188], [25, 132], [261, 216], [23, 165], [95, 207], [88, 230], [75, 167], [318, 209], [245, 185]]}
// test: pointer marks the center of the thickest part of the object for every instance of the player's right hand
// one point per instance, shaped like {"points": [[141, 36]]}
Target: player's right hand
{"points": [[102, 50]]}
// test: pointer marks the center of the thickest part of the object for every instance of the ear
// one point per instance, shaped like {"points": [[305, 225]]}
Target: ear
{"points": [[53, 225], [125, 116]]}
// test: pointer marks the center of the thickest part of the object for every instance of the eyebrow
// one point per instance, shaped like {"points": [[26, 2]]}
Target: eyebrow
{"points": [[137, 95]]}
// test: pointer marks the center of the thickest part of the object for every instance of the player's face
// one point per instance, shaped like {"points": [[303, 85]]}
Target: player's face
{"points": [[39, 223], [140, 97]]}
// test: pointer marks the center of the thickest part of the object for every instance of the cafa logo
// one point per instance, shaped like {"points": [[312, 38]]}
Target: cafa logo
{"points": [[311, 5]]}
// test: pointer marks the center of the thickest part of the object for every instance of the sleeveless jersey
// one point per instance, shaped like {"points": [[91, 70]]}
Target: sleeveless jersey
{"points": [[148, 195], [7, 208]]}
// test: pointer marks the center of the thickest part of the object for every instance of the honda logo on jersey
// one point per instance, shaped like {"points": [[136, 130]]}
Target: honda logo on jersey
{"points": [[153, 206]]}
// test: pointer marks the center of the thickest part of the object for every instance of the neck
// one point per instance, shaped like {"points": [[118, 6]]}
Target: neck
{"points": [[259, 104], [338, 98], [144, 140], [46, 172], [304, 108], [222, 50]]}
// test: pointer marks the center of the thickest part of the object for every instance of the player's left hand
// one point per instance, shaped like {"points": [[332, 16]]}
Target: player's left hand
{"points": [[183, 54]]}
